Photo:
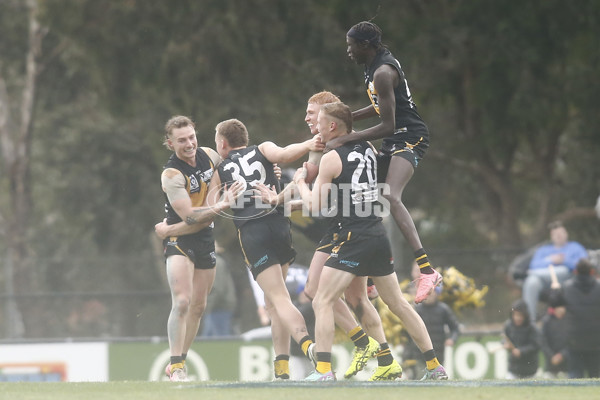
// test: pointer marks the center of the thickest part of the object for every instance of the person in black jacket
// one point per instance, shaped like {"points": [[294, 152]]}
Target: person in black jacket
{"points": [[438, 316], [443, 329], [555, 341], [522, 340], [581, 296]]}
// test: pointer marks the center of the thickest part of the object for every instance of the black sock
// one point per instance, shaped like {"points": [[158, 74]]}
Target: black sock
{"points": [[176, 360], [384, 356], [423, 261]]}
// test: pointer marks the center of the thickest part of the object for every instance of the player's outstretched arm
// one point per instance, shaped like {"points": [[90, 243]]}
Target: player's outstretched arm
{"points": [[270, 196], [292, 152]]}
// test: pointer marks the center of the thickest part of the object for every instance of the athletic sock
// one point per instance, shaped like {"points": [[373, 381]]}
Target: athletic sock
{"points": [[423, 261], [282, 366], [176, 360], [323, 362], [431, 360], [304, 343], [176, 363], [359, 337], [384, 355]]}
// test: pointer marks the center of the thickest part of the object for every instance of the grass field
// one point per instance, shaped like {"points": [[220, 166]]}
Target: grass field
{"points": [[451, 390]]}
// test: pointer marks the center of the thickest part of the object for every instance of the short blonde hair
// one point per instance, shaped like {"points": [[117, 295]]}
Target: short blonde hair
{"points": [[175, 122], [339, 111], [234, 131]]}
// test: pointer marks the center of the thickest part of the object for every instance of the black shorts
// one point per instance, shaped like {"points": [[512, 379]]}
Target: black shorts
{"points": [[408, 144], [326, 243], [266, 241], [362, 254], [201, 253]]}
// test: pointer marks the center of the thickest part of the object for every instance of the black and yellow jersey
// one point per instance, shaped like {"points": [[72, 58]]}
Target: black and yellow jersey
{"points": [[406, 114], [197, 180]]}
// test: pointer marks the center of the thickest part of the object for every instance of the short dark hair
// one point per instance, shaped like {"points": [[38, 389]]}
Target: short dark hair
{"points": [[585, 267], [555, 224]]}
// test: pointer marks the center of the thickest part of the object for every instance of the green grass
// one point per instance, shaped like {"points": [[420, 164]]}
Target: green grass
{"points": [[452, 390]]}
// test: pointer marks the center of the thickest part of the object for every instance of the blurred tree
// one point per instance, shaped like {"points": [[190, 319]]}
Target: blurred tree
{"points": [[18, 91]]}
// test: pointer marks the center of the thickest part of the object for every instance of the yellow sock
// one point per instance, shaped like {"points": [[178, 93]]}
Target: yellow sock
{"points": [[354, 331], [432, 364], [282, 367], [305, 345], [323, 367], [176, 366]]}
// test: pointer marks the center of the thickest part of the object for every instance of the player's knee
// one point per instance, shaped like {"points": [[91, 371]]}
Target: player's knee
{"points": [[182, 305], [310, 292], [318, 302], [198, 308]]}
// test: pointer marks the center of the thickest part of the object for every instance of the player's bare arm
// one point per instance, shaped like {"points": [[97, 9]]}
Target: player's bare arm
{"points": [[330, 168], [292, 152], [385, 80], [364, 113], [194, 218], [269, 195]]}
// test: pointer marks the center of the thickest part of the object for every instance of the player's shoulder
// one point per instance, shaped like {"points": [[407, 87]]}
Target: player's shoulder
{"points": [[172, 178], [212, 154], [170, 173], [331, 155]]}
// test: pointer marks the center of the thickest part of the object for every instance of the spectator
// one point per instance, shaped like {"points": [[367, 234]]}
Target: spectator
{"points": [[221, 302], [440, 321], [443, 329], [522, 340], [558, 257], [581, 296], [554, 341]]}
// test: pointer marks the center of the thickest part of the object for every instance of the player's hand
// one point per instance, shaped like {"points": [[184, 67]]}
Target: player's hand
{"points": [[267, 194], [316, 144], [231, 193], [277, 171], [161, 229], [301, 173]]}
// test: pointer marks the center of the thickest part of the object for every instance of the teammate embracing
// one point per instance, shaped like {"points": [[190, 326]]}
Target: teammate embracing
{"points": [[360, 247]]}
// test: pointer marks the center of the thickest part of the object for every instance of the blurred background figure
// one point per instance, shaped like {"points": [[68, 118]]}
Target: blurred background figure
{"points": [[581, 297], [558, 257], [443, 328], [441, 322], [522, 340], [222, 301], [554, 342]]}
